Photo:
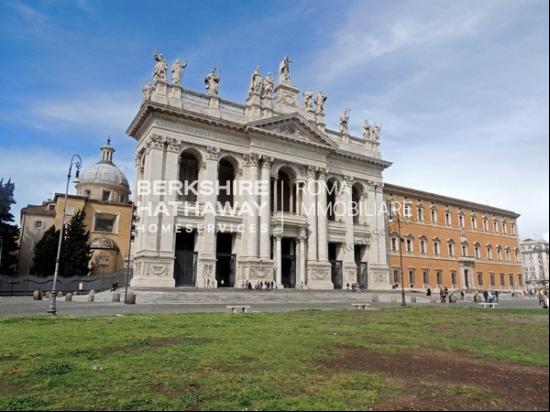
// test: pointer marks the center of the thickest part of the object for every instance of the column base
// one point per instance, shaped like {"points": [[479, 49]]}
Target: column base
{"points": [[255, 270], [318, 275], [206, 272], [379, 277], [153, 272]]}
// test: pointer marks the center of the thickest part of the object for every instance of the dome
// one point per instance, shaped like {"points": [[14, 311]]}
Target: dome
{"points": [[104, 181], [103, 173]]}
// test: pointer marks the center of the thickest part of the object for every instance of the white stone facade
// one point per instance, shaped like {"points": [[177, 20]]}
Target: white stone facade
{"points": [[534, 258], [276, 139]]}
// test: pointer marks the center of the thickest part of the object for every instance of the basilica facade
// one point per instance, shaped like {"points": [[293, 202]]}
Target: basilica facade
{"points": [[305, 214]]}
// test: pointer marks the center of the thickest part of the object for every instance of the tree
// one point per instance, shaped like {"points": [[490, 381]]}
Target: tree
{"points": [[45, 251], [75, 253], [9, 232]]}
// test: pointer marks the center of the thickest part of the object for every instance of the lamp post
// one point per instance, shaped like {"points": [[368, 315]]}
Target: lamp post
{"points": [[77, 162], [394, 214]]}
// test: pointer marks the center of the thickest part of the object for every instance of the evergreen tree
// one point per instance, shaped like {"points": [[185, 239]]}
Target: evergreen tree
{"points": [[45, 252], [75, 253], [9, 232]]}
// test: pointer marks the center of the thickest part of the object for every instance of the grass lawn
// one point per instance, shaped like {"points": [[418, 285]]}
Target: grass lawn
{"points": [[413, 358]]}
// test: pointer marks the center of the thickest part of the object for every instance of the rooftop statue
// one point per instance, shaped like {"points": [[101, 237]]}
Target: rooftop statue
{"points": [[255, 82], [212, 82], [284, 70], [308, 99], [366, 129], [177, 72], [320, 103], [375, 132], [267, 86], [159, 71], [344, 121]]}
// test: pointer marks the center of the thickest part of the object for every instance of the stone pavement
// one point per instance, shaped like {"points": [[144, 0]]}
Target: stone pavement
{"points": [[216, 300]]}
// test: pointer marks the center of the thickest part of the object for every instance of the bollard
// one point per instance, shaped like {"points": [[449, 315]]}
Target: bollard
{"points": [[91, 296], [69, 297], [116, 297], [413, 299], [37, 295], [374, 299], [130, 298], [48, 294], [453, 298], [59, 294]]}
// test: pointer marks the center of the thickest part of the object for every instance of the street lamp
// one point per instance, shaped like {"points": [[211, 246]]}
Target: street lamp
{"points": [[395, 214], [77, 162]]}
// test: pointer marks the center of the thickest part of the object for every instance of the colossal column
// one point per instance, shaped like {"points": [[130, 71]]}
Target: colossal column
{"points": [[207, 236], [311, 211], [350, 268], [251, 213], [322, 221], [278, 260], [265, 213]]}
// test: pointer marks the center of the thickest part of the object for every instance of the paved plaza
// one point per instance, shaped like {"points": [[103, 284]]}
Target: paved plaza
{"points": [[199, 301]]}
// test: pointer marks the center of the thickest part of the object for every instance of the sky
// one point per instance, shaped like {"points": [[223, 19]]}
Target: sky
{"points": [[460, 87]]}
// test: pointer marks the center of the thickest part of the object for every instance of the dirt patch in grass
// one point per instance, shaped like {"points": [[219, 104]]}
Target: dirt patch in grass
{"points": [[523, 387]]}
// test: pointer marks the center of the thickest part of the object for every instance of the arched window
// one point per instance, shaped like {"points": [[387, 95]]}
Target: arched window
{"points": [[189, 176], [333, 188], [356, 193], [226, 176], [451, 247], [285, 193]]}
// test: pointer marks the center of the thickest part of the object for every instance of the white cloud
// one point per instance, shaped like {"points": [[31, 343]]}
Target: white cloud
{"points": [[28, 13], [103, 112]]}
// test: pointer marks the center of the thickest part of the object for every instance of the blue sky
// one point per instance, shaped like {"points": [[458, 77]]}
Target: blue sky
{"points": [[460, 87]]}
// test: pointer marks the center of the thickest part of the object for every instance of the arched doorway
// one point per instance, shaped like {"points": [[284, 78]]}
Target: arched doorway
{"points": [[283, 197]]}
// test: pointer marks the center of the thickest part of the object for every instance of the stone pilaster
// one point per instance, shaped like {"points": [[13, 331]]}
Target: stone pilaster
{"points": [[311, 211], [379, 274], [349, 266], [278, 260]]}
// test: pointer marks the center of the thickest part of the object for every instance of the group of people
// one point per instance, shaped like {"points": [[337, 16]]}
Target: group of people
{"points": [[490, 297], [261, 285], [356, 287]]}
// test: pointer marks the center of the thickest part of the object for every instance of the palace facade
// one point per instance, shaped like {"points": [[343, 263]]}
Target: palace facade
{"points": [[447, 242], [278, 140], [102, 192]]}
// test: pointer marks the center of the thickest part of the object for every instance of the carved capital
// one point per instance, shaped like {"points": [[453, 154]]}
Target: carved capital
{"points": [[310, 172], [251, 159], [212, 153]]}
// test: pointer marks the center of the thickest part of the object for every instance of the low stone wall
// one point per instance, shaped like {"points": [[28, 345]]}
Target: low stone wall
{"points": [[26, 284]]}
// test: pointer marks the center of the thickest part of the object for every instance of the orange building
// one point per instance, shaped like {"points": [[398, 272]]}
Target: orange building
{"points": [[452, 243]]}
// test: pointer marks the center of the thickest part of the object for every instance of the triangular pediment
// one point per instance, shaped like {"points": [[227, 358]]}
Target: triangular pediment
{"points": [[293, 127]]}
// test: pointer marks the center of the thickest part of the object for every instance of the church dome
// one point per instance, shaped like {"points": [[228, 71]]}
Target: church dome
{"points": [[104, 181], [106, 173]]}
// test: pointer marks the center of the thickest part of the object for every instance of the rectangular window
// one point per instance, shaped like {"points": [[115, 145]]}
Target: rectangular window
{"points": [[439, 277], [448, 218], [492, 276], [407, 210], [511, 280], [420, 213], [394, 244], [480, 279], [426, 277], [106, 195], [409, 246], [396, 276], [485, 225], [105, 222], [39, 224], [453, 277], [423, 247], [474, 223], [434, 215], [502, 281], [411, 277]]}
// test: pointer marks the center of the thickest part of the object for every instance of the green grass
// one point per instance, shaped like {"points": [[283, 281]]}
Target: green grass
{"points": [[253, 361]]}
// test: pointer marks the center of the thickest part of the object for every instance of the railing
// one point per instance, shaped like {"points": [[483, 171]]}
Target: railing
{"points": [[196, 97], [232, 106], [24, 285]]}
